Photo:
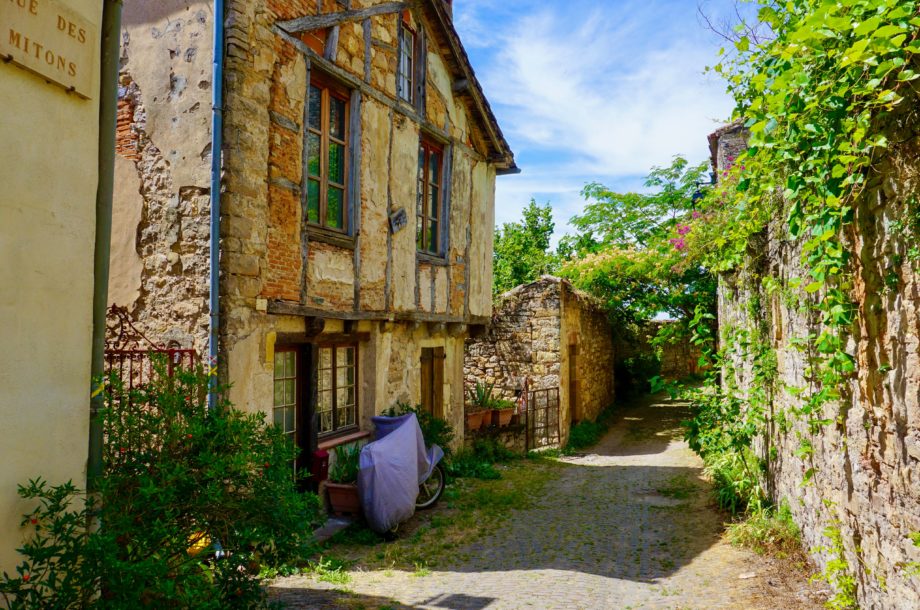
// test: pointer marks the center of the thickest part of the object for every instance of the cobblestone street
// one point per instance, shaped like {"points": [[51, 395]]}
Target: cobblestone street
{"points": [[628, 524]]}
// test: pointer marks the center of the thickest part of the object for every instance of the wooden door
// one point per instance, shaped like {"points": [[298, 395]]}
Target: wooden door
{"points": [[432, 371]]}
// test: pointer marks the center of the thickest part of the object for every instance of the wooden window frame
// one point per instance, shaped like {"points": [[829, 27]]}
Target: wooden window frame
{"points": [[301, 420], [427, 148], [407, 73], [329, 89], [334, 346]]}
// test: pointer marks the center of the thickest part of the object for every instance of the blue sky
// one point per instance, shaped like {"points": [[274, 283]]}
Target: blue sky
{"points": [[593, 90]]}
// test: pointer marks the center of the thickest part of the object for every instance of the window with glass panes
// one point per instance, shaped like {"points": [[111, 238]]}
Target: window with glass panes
{"points": [[337, 388], [284, 409], [405, 81], [327, 156], [428, 203]]}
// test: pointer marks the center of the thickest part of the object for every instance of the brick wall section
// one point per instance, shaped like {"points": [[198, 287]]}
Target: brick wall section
{"points": [[867, 466], [127, 140]]}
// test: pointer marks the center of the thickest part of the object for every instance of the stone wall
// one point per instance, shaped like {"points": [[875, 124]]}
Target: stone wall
{"points": [[532, 335], [679, 358], [159, 259], [587, 355], [864, 473]]}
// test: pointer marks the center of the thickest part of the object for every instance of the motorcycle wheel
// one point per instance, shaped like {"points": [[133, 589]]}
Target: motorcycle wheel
{"points": [[429, 492]]}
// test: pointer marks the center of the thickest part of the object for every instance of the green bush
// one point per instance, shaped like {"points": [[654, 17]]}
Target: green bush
{"points": [[191, 505], [436, 431], [768, 530], [466, 463]]}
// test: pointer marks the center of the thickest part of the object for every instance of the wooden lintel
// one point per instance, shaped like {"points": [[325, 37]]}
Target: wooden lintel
{"points": [[288, 308], [328, 20]]}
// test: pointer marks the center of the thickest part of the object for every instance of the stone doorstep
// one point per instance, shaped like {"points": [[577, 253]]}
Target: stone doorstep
{"points": [[333, 526]]}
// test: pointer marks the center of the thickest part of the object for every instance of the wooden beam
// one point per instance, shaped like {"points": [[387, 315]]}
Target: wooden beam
{"points": [[289, 308], [319, 22], [461, 85]]}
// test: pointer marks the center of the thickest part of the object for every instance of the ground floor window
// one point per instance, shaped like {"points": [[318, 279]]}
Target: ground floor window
{"points": [[337, 389]]}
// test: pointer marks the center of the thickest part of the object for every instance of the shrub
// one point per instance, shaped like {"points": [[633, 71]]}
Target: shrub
{"points": [[768, 530], [465, 463], [191, 505], [435, 430]]}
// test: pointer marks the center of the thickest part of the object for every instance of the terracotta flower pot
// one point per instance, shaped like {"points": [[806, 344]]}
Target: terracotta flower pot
{"points": [[343, 499], [473, 420], [487, 418], [502, 417]]}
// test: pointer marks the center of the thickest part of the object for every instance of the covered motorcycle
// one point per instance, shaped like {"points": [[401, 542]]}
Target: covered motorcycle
{"points": [[391, 470]]}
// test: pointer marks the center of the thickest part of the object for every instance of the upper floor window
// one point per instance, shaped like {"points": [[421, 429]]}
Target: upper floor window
{"points": [[405, 77], [327, 155], [428, 203]]}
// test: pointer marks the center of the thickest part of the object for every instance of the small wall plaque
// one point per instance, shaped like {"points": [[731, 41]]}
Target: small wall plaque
{"points": [[50, 39], [398, 220]]}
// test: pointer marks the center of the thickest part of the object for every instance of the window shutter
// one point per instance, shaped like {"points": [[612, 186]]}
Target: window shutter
{"points": [[421, 70], [440, 356]]}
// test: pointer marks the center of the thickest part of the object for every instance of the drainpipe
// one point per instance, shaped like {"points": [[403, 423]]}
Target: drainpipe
{"points": [[108, 108], [217, 100]]}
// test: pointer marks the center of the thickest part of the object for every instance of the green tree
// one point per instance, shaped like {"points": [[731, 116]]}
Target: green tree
{"points": [[628, 220], [522, 249]]}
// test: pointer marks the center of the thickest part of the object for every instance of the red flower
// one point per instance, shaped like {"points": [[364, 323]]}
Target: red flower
{"points": [[33, 521], [26, 577], [188, 436], [267, 465]]}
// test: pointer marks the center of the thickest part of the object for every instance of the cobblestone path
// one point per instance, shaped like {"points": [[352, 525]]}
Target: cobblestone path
{"points": [[628, 524]]}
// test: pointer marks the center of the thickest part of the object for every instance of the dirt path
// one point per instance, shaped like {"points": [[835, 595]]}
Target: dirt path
{"points": [[628, 524]]}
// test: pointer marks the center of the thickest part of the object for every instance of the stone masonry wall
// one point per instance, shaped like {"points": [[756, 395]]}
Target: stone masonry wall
{"points": [[523, 341], [864, 473], [159, 260], [531, 336], [588, 338]]}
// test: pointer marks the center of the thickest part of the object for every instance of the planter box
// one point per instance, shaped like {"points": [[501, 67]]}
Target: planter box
{"points": [[343, 499], [474, 420], [502, 417]]}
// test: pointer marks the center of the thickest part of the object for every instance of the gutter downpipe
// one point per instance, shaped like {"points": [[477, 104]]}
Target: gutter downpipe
{"points": [[217, 142], [108, 108]]}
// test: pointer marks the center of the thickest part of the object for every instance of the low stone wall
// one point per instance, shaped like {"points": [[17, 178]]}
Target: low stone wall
{"points": [[554, 336], [513, 438]]}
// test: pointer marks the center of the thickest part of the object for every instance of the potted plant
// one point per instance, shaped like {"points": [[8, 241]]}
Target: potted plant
{"points": [[342, 485], [502, 412], [481, 401]]}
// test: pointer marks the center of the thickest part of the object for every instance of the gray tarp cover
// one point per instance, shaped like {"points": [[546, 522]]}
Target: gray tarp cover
{"points": [[391, 470]]}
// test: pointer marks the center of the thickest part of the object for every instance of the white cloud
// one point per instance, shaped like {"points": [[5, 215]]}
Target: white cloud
{"points": [[590, 90]]}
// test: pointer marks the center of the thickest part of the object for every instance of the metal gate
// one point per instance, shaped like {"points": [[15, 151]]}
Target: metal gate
{"points": [[128, 352], [543, 427]]}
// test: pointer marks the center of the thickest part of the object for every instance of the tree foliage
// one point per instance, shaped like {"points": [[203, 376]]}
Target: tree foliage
{"points": [[522, 249]]}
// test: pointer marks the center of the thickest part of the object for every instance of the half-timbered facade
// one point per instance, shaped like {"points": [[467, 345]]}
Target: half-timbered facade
{"points": [[360, 158]]}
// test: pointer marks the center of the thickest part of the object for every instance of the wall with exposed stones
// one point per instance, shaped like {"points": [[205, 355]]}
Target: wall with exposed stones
{"points": [[678, 357], [532, 335], [159, 260], [863, 476]]}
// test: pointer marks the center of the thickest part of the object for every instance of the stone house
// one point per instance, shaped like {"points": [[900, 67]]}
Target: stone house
{"points": [[356, 211], [554, 336]]}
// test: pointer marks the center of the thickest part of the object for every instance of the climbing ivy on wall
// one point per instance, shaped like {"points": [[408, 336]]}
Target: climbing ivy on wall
{"points": [[822, 100]]}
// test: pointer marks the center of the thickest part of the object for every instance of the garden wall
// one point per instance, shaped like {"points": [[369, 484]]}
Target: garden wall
{"points": [[545, 331], [862, 472]]}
